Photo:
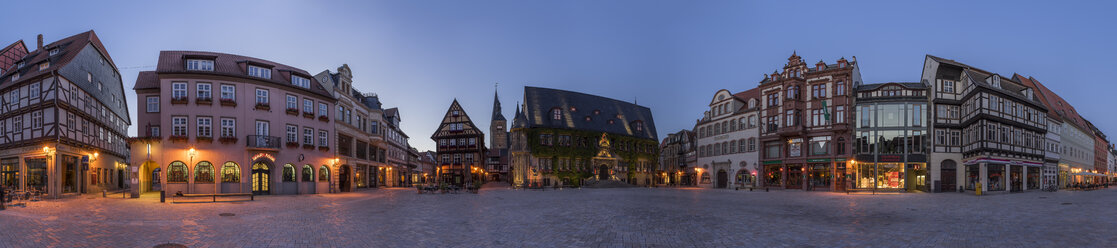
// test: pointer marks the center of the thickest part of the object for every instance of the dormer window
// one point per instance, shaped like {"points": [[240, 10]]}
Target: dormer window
{"points": [[44, 65], [639, 125], [20, 65], [15, 77], [996, 82], [259, 72], [300, 81], [53, 51], [199, 65], [556, 114]]}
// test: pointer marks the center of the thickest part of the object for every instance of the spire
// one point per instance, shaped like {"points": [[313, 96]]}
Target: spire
{"points": [[497, 114]]}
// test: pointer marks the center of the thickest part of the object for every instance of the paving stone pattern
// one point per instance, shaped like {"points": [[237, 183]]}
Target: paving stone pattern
{"points": [[633, 217]]}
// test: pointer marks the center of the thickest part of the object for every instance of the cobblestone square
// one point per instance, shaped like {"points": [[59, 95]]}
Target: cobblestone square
{"points": [[575, 218]]}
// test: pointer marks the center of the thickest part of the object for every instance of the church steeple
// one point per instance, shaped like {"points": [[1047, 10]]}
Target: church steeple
{"points": [[497, 115]]}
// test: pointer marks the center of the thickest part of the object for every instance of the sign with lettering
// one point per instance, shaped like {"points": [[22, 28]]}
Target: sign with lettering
{"points": [[891, 158]]}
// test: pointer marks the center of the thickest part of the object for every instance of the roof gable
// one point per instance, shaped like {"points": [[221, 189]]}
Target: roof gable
{"points": [[456, 115]]}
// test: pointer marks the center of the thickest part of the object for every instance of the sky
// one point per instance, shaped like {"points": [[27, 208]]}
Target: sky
{"points": [[670, 56]]}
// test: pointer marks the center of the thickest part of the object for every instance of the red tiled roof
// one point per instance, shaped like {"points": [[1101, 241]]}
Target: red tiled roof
{"points": [[233, 66], [147, 80], [10, 54], [744, 96], [1055, 104]]}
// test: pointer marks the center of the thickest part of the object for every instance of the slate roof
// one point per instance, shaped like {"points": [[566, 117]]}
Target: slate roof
{"points": [[497, 115], [232, 65], [576, 107], [68, 51], [1008, 86]]}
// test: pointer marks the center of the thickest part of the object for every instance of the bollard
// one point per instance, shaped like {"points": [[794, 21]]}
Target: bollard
{"points": [[162, 196], [104, 193], [765, 189]]}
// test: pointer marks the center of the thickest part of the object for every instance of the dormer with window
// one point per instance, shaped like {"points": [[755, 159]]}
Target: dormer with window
{"points": [[53, 51], [556, 114], [259, 71], [44, 65], [20, 65], [995, 81], [300, 81], [638, 125], [199, 65]]}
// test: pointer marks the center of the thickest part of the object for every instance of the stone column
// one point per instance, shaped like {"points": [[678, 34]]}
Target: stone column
{"points": [[1007, 178], [983, 177], [1024, 178]]}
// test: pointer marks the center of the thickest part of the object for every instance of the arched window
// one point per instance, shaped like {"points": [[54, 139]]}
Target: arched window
{"points": [[324, 174], [717, 128], [733, 146], [177, 172], [203, 172], [230, 172], [724, 126], [556, 114], [308, 173], [717, 149], [288, 173]]}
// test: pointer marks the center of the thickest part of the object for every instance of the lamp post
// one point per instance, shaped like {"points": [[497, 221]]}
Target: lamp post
{"points": [[191, 153]]}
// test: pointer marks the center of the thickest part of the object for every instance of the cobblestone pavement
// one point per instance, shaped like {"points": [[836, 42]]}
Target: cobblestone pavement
{"points": [[635, 217]]}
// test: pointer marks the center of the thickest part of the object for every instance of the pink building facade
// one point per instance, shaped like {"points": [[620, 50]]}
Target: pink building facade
{"points": [[213, 122]]}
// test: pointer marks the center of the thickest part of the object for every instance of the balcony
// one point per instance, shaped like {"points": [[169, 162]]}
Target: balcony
{"points": [[263, 142]]}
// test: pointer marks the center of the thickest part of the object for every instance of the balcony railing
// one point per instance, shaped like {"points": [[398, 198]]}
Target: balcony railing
{"points": [[263, 141]]}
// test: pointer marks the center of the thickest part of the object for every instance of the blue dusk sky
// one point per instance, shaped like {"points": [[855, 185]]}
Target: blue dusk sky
{"points": [[670, 56]]}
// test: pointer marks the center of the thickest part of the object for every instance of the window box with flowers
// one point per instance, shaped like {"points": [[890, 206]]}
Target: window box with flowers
{"points": [[324, 148], [227, 140], [308, 146], [204, 101], [308, 115], [179, 100], [323, 118], [292, 111], [178, 138], [262, 106], [292, 144], [205, 139], [228, 102]]}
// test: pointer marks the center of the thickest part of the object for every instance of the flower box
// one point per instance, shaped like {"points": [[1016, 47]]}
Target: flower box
{"points": [[308, 146], [324, 118], [227, 140], [229, 102], [324, 148], [204, 101], [180, 100], [292, 144], [178, 138], [205, 139], [308, 115], [263, 106], [294, 112]]}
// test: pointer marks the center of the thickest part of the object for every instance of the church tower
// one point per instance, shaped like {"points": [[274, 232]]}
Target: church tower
{"points": [[498, 128]]}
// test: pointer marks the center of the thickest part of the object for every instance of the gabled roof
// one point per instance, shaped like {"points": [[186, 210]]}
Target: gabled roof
{"points": [[70, 48], [582, 111], [233, 65], [1058, 106], [11, 53]]}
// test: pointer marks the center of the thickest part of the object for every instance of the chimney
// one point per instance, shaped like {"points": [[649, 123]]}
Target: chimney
{"points": [[40, 47]]}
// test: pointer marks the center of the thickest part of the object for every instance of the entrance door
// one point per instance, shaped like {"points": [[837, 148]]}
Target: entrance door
{"points": [[603, 172], [260, 183], [343, 178], [119, 178], [949, 176], [795, 177], [156, 183], [723, 179]]}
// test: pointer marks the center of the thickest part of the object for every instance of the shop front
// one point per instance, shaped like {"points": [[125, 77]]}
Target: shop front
{"points": [[773, 174], [819, 176], [878, 176]]}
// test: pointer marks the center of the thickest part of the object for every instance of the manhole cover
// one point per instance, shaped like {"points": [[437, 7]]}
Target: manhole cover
{"points": [[1066, 203], [170, 245], [227, 214]]}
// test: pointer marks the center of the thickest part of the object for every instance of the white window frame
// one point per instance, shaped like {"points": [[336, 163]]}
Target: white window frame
{"points": [[308, 136], [323, 138], [292, 133], [203, 91], [308, 106], [178, 90], [205, 127], [179, 126], [323, 109], [228, 127], [228, 92], [292, 102], [199, 65], [300, 81], [153, 104], [262, 96], [260, 72]]}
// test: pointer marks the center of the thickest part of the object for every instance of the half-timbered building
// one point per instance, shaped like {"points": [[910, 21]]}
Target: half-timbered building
{"points": [[63, 119], [461, 148], [995, 125]]}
